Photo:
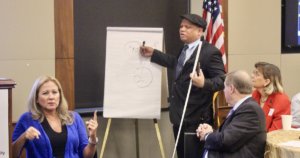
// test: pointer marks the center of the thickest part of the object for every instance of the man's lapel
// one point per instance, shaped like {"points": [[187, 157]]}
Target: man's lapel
{"points": [[227, 121]]}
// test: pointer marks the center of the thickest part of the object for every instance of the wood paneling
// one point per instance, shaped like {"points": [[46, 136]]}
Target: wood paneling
{"points": [[64, 71], [64, 29], [64, 47]]}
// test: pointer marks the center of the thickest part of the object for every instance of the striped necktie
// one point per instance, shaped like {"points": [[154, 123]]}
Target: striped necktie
{"points": [[181, 60]]}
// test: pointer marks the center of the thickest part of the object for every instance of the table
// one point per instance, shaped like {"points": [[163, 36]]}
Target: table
{"points": [[274, 148]]}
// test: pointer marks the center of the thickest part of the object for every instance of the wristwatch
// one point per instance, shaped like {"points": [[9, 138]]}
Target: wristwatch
{"points": [[93, 143]]}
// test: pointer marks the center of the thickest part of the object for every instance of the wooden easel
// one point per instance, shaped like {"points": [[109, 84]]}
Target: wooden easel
{"points": [[137, 140]]}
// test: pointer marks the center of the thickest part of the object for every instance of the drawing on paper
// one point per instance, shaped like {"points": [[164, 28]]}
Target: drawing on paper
{"points": [[132, 47], [142, 75]]}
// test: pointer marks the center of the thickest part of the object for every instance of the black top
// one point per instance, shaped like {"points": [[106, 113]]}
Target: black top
{"points": [[58, 140]]}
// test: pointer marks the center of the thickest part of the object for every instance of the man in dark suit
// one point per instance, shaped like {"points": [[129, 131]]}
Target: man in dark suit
{"points": [[209, 80], [243, 134]]}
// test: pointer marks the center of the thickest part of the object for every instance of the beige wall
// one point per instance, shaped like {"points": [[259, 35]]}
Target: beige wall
{"points": [[253, 35], [26, 45], [256, 35]]}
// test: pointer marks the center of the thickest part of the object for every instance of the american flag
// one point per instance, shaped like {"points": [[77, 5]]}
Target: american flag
{"points": [[212, 13]]}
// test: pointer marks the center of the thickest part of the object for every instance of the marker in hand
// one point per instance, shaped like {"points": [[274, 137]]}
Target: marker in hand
{"points": [[143, 48], [146, 51]]}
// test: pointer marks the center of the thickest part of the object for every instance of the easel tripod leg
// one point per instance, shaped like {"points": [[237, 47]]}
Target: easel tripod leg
{"points": [[105, 138], [137, 138], [159, 139]]}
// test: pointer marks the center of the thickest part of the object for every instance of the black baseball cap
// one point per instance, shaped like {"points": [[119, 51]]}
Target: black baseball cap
{"points": [[195, 19]]}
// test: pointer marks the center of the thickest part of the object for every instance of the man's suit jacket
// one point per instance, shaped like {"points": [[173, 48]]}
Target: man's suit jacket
{"points": [[199, 109], [242, 135]]}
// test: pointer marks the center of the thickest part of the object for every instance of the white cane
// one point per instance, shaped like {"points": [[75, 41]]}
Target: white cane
{"points": [[187, 99]]}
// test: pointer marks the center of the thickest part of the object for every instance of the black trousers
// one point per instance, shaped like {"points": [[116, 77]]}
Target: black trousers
{"points": [[189, 145]]}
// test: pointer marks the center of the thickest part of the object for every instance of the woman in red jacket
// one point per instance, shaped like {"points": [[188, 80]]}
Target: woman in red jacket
{"points": [[269, 94]]}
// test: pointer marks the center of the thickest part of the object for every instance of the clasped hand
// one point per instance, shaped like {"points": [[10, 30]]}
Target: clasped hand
{"points": [[202, 130]]}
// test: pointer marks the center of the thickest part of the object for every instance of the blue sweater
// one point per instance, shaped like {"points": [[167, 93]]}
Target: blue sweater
{"points": [[77, 138]]}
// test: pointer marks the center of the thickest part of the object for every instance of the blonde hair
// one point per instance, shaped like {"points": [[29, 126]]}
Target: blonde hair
{"points": [[62, 110], [272, 73]]}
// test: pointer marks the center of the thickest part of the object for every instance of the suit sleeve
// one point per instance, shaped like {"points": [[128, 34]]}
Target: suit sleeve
{"points": [[214, 71], [243, 126], [163, 59]]}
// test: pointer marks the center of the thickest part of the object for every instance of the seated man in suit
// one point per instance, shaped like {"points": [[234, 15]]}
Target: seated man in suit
{"points": [[243, 132]]}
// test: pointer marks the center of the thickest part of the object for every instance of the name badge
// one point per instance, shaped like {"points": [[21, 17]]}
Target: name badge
{"points": [[271, 111]]}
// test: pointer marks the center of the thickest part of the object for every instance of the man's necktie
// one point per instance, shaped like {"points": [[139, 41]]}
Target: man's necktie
{"points": [[181, 59]]}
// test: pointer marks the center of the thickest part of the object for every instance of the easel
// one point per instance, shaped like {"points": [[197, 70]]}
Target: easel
{"points": [[137, 140], [132, 37]]}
